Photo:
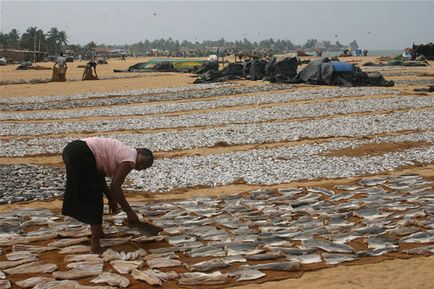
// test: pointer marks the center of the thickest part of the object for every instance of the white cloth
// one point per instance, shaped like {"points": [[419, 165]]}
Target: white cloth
{"points": [[61, 61]]}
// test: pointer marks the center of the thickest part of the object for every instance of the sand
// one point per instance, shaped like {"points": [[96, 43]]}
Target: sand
{"points": [[373, 273]]}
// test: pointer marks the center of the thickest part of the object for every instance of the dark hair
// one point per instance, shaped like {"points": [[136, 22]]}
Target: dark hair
{"points": [[149, 157], [61, 53]]}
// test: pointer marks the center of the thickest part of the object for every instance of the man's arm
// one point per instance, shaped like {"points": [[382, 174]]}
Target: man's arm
{"points": [[116, 188]]}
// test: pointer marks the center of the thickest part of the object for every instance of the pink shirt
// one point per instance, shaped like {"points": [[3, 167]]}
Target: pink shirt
{"points": [[109, 153]]}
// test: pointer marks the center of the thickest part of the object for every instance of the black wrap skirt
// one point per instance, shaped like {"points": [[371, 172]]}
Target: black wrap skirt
{"points": [[83, 198]]}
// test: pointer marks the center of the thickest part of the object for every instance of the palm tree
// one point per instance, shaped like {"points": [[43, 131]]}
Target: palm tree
{"points": [[53, 35], [62, 38]]}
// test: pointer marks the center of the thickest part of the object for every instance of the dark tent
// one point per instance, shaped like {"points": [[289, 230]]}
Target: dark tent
{"points": [[281, 69], [206, 66], [255, 69], [324, 71]]}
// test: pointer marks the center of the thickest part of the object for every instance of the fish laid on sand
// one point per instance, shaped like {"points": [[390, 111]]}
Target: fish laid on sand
{"points": [[420, 237], [277, 266], [75, 249], [5, 284], [198, 278], [33, 281], [110, 242], [68, 242], [82, 257], [11, 264], [247, 274], [94, 266], [306, 259], [74, 274], [112, 279], [18, 255], [328, 246], [333, 259], [32, 268], [163, 263], [210, 265], [110, 255], [148, 276], [31, 248], [125, 267]]}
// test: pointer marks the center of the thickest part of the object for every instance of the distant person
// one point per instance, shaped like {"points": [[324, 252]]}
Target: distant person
{"points": [[80, 58], [88, 162], [88, 73], [123, 57], [60, 70]]}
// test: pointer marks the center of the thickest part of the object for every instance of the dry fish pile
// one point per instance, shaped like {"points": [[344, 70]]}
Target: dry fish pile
{"points": [[239, 237]]}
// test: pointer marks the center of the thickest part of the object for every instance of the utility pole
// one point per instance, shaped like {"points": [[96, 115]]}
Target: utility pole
{"points": [[34, 48]]}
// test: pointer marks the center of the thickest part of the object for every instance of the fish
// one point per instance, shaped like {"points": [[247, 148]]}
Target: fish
{"points": [[74, 274], [75, 249], [305, 259], [247, 274], [95, 265], [277, 266], [32, 268], [427, 250], [31, 248], [379, 243], [2, 275], [333, 258], [243, 248], [82, 257], [110, 242], [377, 252], [372, 182], [11, 264], [265, 256], [59, 284], [199, 278], [166, 276], [369, 230], [347, 187], [292, 251], [74, 234], [144, 239], [321, 190], [68, 242], [125, 267], [209, 265], [111, 279], [170, 255], [163, 263], [33, 281], [18, 255], [419, 237], [180, 239], [207, 251], [5, 284], [328, 246], [148, 276], [370, 213], [110, 255]]}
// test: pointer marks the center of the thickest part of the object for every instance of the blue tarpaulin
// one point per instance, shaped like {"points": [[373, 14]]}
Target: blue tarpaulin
{"points": [[340, 66]]}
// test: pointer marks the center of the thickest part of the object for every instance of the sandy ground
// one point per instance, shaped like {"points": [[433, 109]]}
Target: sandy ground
{"points": [[373, 273]]}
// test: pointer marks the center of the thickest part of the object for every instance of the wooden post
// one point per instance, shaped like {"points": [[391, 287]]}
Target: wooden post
{"points": [[34, 48]]}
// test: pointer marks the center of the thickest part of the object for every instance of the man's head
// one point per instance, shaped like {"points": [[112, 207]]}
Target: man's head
{"points": [[61, 53], [144, 159]]}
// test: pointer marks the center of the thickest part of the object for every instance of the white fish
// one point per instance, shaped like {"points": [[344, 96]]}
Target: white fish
{"points": [[163, 263], [111, 279], [166, 276], [209, 265], [75, 249], [33, 281], [5, 284], [277, 266], [74, 274], [11, 264], [144, 239], [95, 265], [82, 257], [110, 255], [31, 248], [306, 259], [32, 268], [333, 259], [420, 237], [18, 255], [109, 242], [198, 278], [2, 275], [58, 284], [148, 276], [125, 267], [75, 234], [68, 242], [247, 274]]}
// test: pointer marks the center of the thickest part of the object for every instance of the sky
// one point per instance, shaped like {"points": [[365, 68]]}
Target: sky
{"points": [[374, 24]]}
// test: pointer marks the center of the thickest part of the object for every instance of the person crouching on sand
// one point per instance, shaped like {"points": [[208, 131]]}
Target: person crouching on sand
{"points": [[88, 162]]}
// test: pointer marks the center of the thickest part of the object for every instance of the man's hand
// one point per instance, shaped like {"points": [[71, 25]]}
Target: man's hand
{"points": [[132, 217]]}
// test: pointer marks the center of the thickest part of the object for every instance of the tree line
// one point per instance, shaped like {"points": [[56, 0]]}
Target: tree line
{"points": [[55, 40]]}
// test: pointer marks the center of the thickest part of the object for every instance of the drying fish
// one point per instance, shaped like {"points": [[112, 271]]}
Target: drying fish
{"points": [[163, 263], [292, 251], [377, 252], [333, 259], [94, 266], [11, 264], [125, 267], [145, 238], [198, 278], [148, 276], [209, 265], [277, 266], [74, 234], [32, 268], [369, 230], [372, 182], [169, 255], [5, 284], [2, 275], [379, 243], [111, 279], [328, 246], [347, 187], [306, 259], [75, 249], [207, 251], [83, 257], [243, 248], [74, 274], [321, 190], [68, 242], [265, 256], [110, 254], [33, 281], [247, 274], [113, 241], [166, 276], [59, 284], [370, 214], [31, 248], [420, 237], [18, 255], [420, 250]]}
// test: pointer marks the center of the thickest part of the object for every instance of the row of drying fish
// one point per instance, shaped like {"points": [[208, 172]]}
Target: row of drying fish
{"points": [[279, 230], [166, 107], [238, 134], [214, 118], [260, 166]]}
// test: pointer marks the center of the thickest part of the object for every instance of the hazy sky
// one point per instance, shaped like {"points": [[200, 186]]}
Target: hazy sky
{"points": [[374, 24]]}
